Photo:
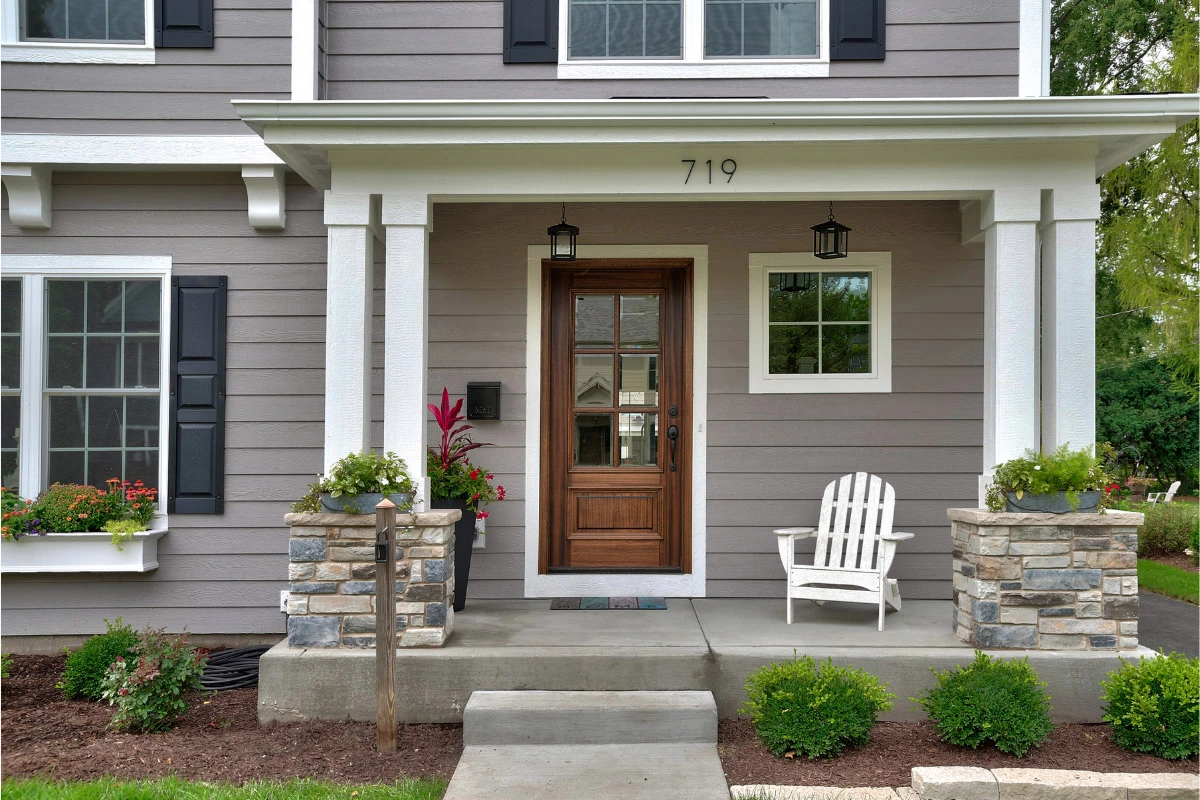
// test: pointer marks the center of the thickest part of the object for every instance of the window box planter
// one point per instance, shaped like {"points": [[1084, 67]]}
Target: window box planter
{"points": [[81, 552]]}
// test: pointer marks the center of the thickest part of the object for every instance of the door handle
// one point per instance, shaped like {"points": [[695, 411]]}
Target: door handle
{"points": [[673, 435]]}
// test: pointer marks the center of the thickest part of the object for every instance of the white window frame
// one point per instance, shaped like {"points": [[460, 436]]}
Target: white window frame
{"points": [[42, 52], [879, 379], [692, 62], [34, 271]]}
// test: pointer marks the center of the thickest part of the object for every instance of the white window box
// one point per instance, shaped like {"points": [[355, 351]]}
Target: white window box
{"points": [[81, 552]]}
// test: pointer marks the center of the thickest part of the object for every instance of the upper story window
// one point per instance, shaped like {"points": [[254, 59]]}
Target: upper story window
{"points": [[666, 39], [118, 21], [78, 31]]}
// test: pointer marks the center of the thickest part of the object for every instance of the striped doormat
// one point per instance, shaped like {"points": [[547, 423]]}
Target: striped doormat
{"points": [[606, 603]]}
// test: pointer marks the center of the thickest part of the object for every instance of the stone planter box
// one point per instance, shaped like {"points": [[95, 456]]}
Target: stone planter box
{"points": [[331, 601], [361, 503], [81, 552], [1046, 581], [1055, 503]]}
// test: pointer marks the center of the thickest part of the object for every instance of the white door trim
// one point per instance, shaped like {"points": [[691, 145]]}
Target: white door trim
{"points": [[600, 584]]}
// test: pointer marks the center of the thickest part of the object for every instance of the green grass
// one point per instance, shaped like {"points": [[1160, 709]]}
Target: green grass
{"points": [[179, 789], [1160, 578]]}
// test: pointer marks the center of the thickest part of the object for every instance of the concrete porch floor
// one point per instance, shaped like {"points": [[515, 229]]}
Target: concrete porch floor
{"points": [[695, 644]]}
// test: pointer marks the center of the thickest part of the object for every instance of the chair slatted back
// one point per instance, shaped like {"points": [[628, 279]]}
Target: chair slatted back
{"points": [[1171, 491], [855, 511]]}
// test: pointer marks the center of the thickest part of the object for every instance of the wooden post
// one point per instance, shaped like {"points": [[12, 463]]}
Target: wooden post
{"points": [[385, 626]]}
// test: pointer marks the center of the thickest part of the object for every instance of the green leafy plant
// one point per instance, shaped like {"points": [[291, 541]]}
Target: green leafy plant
{"points": [[813, 709], [1153, 706], [451, 474], [996, 700], [310, 503], [86, 667], [122, 530], [1169, 528], [1064, 470], [6, 661], [150, 689], [368, 473]]}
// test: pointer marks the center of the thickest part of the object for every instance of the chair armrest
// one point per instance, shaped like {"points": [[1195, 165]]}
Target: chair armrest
{"points": [[897, 536], [796, 533]]}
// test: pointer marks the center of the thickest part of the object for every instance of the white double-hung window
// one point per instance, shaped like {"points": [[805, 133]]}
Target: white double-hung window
{"points": [[666, 39], [79, 31], [820, 326], [84, 366]]}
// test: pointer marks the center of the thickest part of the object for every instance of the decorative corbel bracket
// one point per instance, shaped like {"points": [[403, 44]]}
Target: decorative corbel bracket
{"points": [[265, 187], [28, 185]]}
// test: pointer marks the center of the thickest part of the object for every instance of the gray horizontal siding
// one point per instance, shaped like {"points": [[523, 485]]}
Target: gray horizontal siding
{"points": [[452, 49], [217, 574], [769, 456], [187, 91]]}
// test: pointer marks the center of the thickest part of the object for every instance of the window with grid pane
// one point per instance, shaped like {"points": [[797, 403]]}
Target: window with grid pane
{"points": [[102, 380], [625, 28], [767, 28], [118, 21], [10, 382], [819, 323]]}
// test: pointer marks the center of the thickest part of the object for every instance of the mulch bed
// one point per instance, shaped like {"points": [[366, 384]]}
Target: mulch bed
{"points": [[897, 747], [1181, 560], [219, 739]]}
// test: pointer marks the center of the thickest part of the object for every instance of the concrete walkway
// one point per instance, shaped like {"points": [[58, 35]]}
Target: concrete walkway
{"points": [[1169, 624]]}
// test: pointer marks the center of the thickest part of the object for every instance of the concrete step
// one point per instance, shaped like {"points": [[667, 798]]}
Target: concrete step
{"points": [[589, 718], [594, 772]]}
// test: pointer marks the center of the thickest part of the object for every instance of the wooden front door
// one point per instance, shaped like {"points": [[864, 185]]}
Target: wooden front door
{"points": [[616, 411]]}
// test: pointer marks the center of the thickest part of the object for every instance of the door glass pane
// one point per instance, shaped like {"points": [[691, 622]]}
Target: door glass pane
{"points": [[639, 439], [639, 320], [639, 380], [845, 297], [594, 381], [594, 320], [593, 440], [792, 296], [845, 348], [793, 350]]}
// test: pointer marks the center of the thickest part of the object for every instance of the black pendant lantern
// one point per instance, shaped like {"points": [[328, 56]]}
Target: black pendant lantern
{"points": [[830, 238], [562, 239]]}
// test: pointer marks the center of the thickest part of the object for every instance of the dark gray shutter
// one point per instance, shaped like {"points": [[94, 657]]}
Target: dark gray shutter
{"points": [[856, 30], [530, 31], [183, 23], [197, 442]]}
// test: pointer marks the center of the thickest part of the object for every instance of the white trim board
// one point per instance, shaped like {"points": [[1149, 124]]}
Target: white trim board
{"points": [[692, 584], [136, 152]]}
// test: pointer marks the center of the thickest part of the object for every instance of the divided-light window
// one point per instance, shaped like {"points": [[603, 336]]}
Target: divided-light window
{"points": [[111, 21]]}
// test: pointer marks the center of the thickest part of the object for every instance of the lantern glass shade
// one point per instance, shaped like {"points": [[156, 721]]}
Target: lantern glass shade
{"points": [[830, 240], [562, 241]]}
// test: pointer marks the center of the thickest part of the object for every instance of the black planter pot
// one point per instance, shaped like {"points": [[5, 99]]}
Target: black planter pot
{"points": [[464, 542]]}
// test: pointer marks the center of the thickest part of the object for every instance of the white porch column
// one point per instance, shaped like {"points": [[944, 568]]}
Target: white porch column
{"points": [[348, 324], [1010, 403], [407, 220], [1069, 316]]}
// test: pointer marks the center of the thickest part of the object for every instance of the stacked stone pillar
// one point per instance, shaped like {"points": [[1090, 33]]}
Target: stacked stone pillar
{"points": [[331, 601], [1046, 581]]}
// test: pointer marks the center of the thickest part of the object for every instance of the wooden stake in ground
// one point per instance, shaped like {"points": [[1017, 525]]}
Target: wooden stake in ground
{"points": [[385, 626]]}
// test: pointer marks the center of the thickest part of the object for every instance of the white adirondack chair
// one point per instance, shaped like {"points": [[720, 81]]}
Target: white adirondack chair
{"points": [[855, 547], [1163, 497]]}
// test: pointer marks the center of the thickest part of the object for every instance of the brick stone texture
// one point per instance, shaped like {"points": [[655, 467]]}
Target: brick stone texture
{"points": [[1040, 582], [332, 573]]}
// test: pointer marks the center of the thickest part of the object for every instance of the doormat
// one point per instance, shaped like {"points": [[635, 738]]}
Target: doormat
{"points": [[606, 603]]}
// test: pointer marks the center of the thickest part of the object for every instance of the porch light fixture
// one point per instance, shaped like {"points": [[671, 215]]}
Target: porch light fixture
{"points": [[830, 238], [562, 239]]}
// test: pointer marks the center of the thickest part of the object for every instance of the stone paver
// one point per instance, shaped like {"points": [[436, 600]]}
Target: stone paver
{"points": [[955, 783], [1161, 786], [1061, 784], [778, 792]]}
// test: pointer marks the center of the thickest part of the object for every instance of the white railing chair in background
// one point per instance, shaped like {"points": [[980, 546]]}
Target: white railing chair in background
{"points": [[854, 548], [1164, 497]]}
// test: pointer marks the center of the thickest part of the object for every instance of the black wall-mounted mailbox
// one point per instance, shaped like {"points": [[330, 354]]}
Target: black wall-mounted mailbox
{"points": [[483, 400]]}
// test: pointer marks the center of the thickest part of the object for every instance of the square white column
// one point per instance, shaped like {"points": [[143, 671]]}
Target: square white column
{"points": [[348, 301], [1069, 316], [407, 221], [1010, 391]]}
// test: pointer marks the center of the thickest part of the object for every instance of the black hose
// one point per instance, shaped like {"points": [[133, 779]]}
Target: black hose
{"points": [[232, 669]]}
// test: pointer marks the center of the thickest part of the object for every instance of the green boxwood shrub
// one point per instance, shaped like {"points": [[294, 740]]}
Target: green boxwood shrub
{"points": [[996, 700], [1169, 528], [1153, 706], [813, 709], [86, 667]]}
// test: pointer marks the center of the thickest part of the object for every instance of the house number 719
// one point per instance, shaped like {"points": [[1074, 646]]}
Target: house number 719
{"points": [[728, 167]]}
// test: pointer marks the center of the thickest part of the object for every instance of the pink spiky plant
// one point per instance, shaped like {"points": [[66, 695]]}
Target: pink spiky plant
{"points": [[455, 442]]}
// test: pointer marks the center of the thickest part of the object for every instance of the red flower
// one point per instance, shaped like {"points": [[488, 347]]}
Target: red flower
{"points": [[499, 492], [474, 497], [490, 476], [475, 474], [482, 515]]}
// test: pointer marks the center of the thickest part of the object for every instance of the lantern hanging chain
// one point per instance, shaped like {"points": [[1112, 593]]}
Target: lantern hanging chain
{"points": [[564, 214], [831, 211]]}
